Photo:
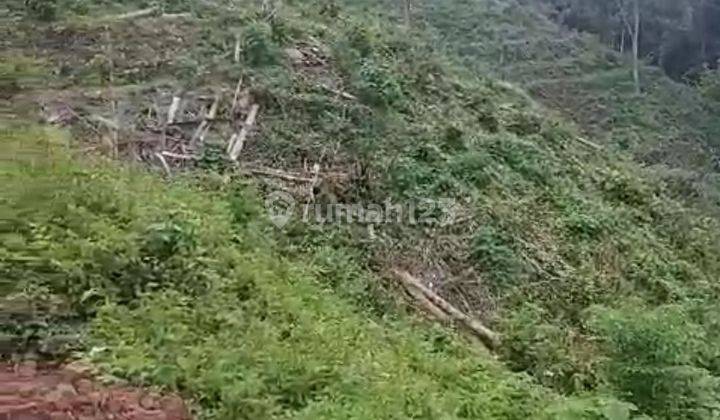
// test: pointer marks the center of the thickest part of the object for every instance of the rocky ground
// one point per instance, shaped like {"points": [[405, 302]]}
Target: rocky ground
{"points": [[29, 391]]}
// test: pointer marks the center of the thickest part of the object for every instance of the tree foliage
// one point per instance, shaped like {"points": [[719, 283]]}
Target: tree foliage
{"points": [[680, 36]]}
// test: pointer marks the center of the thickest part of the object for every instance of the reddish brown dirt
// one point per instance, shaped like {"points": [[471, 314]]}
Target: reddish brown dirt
{"points": [[29, 392]]}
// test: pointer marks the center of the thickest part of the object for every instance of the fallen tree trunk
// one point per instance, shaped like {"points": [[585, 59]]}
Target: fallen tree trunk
{"points": [[438, 306]]}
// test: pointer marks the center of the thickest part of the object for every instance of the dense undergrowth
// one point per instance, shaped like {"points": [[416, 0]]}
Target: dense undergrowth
{"points": [[602, 283], [184, 294]]}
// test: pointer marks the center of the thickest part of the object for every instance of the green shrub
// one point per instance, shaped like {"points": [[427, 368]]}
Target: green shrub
{"points": [[259, 48], [522, 123], [493, 251], [90, 235], [588, 220], [709, 85], [473, 167], [413, 179], [340, 271], [522, 156], [558, 357], [651, 356], [378, 84], [214, 158], [659, 279], [623, 187], [362, 40], [594, 408], [44, 10]]}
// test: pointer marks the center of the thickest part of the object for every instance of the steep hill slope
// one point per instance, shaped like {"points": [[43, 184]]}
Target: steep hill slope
{"points": [[598, 279], [669, 125], [186, 290]]}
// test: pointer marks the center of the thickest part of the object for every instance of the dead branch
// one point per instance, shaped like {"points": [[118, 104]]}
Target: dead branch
{"points": [[176, 15], [488, 337], [237, 141], [588, 143], [276, 173], [165, 165], [340, 93], [190, 122], [137, 14], [179, 156]]}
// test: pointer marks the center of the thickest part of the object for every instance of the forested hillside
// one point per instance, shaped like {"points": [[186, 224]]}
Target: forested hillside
{"points": [[671, 125], [680, 36], [567, 221]]}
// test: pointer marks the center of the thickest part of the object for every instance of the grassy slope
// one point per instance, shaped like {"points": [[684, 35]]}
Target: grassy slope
{"points": [[581, 259], [185, 294]]}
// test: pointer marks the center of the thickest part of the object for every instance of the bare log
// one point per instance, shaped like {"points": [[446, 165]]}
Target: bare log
{"points": [[488, 337], [214, 108], [199, 135], [236, 97], [427, 304], [237, 141], [174, 106], [238, 49]]}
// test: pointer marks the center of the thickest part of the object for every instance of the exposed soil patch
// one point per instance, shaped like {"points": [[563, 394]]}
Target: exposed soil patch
{"points": [[32, 392]]}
